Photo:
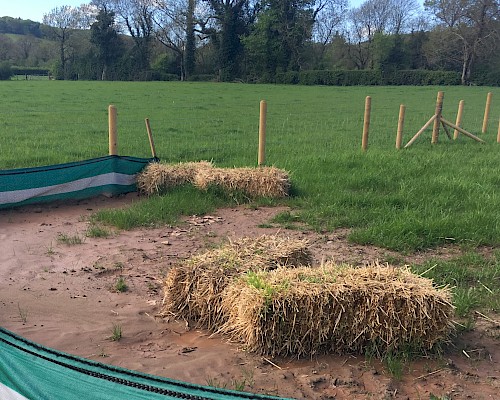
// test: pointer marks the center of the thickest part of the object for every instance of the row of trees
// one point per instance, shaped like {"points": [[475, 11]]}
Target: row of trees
{"points": [[254, 40]]}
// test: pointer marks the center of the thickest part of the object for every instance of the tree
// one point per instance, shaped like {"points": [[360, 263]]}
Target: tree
{"points": [[328, 22], [225, 26], [175, 23], [474, 24], [283, 32], [106, 40], [61, 20]]}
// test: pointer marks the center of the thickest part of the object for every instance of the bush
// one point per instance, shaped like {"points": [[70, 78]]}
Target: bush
{"points": [[203, 78], [423, 77], [163, 76], [5, 71], [29, 71], [372, 78]]}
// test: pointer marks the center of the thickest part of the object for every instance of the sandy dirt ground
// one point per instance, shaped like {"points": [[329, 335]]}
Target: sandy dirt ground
{"points": [[63, 296]]}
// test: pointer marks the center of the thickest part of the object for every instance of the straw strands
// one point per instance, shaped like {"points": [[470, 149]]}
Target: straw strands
{"points": [[339, 309], [158, 177], [193, 289], [253, 182]]}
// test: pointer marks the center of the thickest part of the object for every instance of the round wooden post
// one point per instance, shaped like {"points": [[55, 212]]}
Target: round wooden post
{"points": [[113, 132], [437, 121], [262, 133], [498, 134], [487, 112], [150, 136], [366, 124], [459, 118], [401, 122]]}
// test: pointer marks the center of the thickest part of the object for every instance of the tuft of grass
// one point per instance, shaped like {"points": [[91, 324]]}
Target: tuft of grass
{"points": [[97, 231], [246, 379], [69, 239], [120, 285], [474, 279], [23, 313], [116, 333]]}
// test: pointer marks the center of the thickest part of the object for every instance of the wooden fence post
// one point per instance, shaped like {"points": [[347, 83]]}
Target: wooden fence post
{"points": [[150, 136], [437, 121], [487, 112], [459, 118], [262, 133], [401, 122], [366, 124], [113, 132], [498, 134]]}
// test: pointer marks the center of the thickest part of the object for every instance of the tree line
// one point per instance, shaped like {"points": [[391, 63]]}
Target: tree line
{"points": [[258, 40]]}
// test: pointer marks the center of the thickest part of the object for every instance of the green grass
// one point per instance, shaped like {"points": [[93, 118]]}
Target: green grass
{"points": [[406, 200], [120, 285], [116, 333], [473, 278], [69, 240]]}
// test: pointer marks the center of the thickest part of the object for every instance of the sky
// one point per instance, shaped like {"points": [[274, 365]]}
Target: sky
{"points": [[35, 9]]}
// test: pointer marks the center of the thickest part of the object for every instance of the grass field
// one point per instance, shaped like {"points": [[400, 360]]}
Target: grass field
{"points": [[404, 200], [408, 200]]}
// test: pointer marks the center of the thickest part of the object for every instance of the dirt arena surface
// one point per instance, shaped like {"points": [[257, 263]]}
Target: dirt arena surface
{"points": [[63, 296]]}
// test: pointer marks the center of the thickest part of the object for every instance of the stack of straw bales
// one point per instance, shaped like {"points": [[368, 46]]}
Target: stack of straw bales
{"points": [[253, 182], [306, 311], [193, 289], [158, 177]]}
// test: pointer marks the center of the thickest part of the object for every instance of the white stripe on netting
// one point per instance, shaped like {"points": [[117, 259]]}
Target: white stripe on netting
{"points": [[112, 178], [7, 393]]}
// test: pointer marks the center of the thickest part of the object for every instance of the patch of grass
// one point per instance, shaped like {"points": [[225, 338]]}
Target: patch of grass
{"points": [[69, 240], [116, 333], [157, 211], [23, 313], [97, 231], [474, 279], [246, 380], [120, 285]]}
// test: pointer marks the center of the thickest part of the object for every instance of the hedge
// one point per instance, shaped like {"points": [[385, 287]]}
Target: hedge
{"points": [[368, 77]]}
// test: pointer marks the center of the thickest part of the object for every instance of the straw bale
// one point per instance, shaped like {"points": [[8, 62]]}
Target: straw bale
{"points": [[253, 182], [335, 309], [158, 177], [193, 289]]}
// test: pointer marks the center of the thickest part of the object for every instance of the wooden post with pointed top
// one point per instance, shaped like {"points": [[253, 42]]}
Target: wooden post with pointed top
{"points": [[459, 118], [262, 133], [113, 132], [401, 122], [486, 112], [437, 121], [366, 124]]}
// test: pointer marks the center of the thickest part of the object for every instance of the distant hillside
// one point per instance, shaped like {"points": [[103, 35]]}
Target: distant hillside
{"points": [[20, 26]]}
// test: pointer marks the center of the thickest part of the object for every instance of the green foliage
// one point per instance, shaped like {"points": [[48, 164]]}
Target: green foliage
{"points": [[423, 77], [369, 77], [474, 279], [5, 71], [120, 285], [69, 239], [116, 333]]}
